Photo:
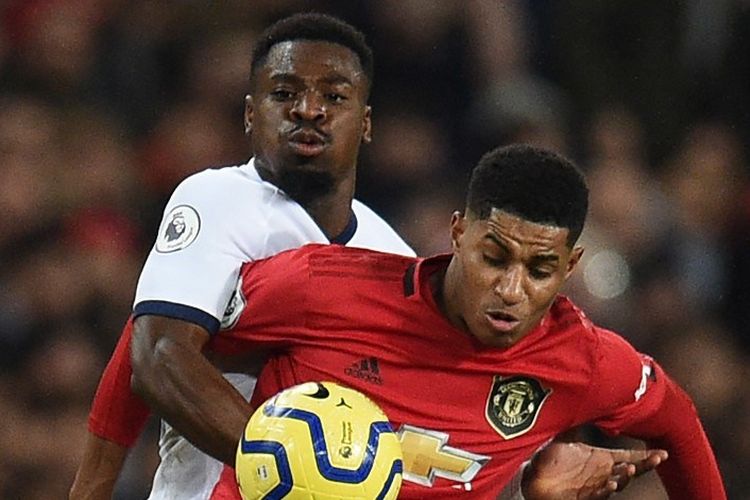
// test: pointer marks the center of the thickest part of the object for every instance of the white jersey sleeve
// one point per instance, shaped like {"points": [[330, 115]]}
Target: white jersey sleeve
{"points": [[216, 220]]}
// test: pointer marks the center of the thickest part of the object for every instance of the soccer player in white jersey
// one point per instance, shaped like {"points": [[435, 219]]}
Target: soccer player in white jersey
{"points": [[306, 116]]}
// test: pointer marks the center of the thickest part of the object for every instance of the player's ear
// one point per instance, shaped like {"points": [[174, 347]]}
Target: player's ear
{"points": [[248, 114], [458, 226], [575, 258], [367, 125]]}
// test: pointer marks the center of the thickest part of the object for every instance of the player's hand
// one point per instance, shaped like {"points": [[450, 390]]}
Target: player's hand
{"points": [[576, 471]]}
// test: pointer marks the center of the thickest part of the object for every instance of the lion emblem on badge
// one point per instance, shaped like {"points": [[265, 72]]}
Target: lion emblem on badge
{"points": [[178, 230], [176, 227]]}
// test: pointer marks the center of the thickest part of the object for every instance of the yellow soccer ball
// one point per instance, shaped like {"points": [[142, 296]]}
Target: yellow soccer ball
{"points": [[319, 440]]}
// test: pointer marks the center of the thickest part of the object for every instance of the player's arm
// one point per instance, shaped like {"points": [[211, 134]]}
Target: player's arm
{"points": [[173, 375], [99, 469], [116, 419], [652, 407], [692, 471]]}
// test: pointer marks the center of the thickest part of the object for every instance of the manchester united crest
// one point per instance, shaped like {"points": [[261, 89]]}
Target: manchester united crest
{"points": [[514, 404]]}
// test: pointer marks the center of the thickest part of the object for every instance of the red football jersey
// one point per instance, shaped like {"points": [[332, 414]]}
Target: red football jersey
{"points": [[468, 415]]}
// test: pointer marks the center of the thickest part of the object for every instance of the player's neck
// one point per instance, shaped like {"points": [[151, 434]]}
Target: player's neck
{"points": [[326, 198], [332, 212], [437, 287], [443, 286]]}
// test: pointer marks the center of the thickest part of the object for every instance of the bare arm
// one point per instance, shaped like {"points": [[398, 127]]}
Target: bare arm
{"points": [[173, 376], [99, 469]]}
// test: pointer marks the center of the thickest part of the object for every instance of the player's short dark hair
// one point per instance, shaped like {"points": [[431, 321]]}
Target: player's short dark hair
{"points": [[315, 27], [532, 183]]}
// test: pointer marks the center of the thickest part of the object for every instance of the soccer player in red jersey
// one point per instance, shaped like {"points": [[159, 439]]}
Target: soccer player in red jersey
{"points": [[307, 115], [475, 357]]}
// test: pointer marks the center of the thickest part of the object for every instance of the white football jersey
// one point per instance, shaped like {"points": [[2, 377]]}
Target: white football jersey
{"points": [[216, 220]]}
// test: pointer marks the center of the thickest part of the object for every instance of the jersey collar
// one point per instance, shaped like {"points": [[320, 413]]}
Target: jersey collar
{"points": [[341, 239], [348, 233]]}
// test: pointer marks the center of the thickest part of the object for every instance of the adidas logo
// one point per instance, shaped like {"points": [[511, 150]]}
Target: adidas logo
{"points": [[367, 369]]}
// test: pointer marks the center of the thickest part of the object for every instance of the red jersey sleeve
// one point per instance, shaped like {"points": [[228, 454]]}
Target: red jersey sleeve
{"points": [[117, 414], [639, 399]]}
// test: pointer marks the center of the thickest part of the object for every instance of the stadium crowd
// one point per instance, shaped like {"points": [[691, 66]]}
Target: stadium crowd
{"points": [[105, 105]]}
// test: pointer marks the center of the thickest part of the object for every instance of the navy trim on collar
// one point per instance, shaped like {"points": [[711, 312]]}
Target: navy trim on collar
{"points": [[348, 232]]}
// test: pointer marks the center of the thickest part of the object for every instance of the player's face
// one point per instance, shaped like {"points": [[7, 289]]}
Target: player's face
{"points": [[505, 274], [307, 113]]}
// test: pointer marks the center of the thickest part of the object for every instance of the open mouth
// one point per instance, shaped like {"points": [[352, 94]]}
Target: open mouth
{"points": [[502, 321]]}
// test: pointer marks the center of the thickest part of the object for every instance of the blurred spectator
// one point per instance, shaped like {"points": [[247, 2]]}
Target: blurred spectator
{"points": [[629, 227], [706, 181], [510, 102], [188, 138], [623, 51]]}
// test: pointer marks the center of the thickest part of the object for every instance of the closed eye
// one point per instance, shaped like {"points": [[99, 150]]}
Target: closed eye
{"points": [[494, 261], [336, 98], [540, 274], [282, 94]]}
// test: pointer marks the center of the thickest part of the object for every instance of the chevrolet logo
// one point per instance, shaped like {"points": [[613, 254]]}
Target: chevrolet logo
{"points": [[426, 456]]}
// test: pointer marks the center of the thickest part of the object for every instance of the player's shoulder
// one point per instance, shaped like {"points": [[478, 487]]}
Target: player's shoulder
{"points": [[566, 317], [231, 194], [220, 178]]}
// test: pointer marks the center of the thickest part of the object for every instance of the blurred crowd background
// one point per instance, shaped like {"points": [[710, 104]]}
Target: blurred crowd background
{"points": [[105, 105]]}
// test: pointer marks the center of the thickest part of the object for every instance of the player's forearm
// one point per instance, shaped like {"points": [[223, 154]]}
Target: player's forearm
{"points": [[178, 382], [99, 469], [691, 471], [680, 478]]}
